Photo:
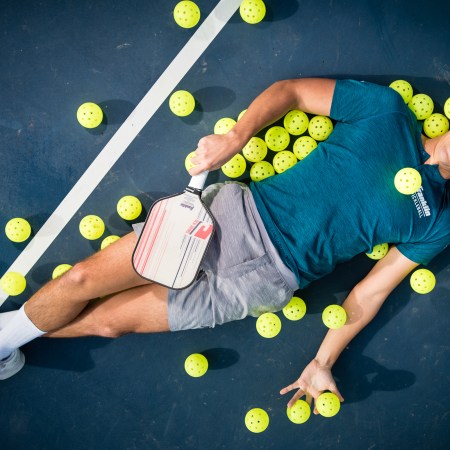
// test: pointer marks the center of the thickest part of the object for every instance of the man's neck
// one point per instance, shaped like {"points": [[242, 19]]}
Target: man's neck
{"points": [[430, 146]]}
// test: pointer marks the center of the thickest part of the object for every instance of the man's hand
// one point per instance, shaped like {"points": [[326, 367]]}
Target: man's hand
{"points": [[314, 380], [214, 151]]}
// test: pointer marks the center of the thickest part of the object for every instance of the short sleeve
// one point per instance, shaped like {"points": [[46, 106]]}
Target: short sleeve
{"points": [[357, 100], [424, 252]]}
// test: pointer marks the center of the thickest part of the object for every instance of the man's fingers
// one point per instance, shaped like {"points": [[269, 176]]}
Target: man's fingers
{"points": [[335, 390], [290, 388], [295, 397]]}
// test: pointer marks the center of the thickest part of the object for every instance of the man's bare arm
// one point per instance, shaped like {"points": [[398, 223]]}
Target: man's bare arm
{"points": [[362, 304], [312, 95]]}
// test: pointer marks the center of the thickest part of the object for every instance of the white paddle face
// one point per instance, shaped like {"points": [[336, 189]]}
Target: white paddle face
{"points": [[173, 241]]}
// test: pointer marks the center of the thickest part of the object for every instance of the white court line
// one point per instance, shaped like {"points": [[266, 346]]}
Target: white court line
{"points": [[112, 151]]}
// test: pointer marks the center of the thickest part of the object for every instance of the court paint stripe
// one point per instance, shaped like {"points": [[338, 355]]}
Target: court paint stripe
{"points": [[123, 137]]}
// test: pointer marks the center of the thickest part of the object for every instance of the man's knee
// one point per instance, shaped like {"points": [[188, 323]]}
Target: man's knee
{"points": [[109, 330], [79, 275]]}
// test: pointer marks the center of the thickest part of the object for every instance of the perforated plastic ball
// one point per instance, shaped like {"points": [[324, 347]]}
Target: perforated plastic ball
{"points": [[296, 122], [423, 281], [407, 181], [447, 108], [196, 365], [379, 251], [186, 14], [256, 420], [404, 89], [18, 230], [235, 167], [422, 106], [252, 11], [255, 150], [13, 283], [89, 115], [224, 125], [299, 413], [182, 103], [129, 207], [241, 114], [188, 163], [334, 316], [303, 146], [283, 161], [435, 125], [108, 241], [261, 170], [60, 270], [92, 227], [295, 309], [328, 404], [277, 138], [320, 127], [268, 325]]}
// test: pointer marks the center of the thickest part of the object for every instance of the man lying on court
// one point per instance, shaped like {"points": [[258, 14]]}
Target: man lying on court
{"points": [[275, 236]]}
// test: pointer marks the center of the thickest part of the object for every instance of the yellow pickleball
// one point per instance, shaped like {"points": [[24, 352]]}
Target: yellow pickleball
{"points": [[235, 167], [299, 413], [188, 163], [13, 283], [422, 106], [320, 127], [224, 125], [334, 316], [129, 207], [256, 420], [182, 103], [435, 125], [283, 161], [196, 365], [277, 138], [241, 114], [108, 241], [186, 14], [268, 325], [379, 251], [89, 115], [447, 108], [252, 11], [328, 404], [255, 150], [18, 230], [296, 122], [303, 146], [403, 88], [423, 281], [92, 227], [60, 270], [261, 170], [407, 181], [295, 309]]}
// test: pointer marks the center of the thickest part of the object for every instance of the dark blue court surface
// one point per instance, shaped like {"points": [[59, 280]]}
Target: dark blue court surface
{"points": [[133, 392]]}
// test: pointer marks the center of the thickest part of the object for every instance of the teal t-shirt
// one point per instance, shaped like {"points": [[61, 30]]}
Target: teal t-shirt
{"points": [[341, 200]]}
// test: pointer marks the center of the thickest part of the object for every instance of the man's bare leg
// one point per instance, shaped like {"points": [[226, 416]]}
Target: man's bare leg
{"points": [[141, 309], [107, 272]]}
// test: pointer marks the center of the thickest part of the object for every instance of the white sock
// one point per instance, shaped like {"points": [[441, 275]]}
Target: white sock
{"points": [[6, 317], [17, 332]]}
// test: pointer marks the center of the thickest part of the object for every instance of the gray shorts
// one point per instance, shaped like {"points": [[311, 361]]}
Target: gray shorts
{"points": [[242, 273]]}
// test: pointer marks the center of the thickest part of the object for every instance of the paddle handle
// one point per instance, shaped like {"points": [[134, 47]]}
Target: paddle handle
{"points": [[198, 181]]}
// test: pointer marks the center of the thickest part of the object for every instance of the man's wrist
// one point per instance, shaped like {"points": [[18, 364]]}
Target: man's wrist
{"points": [[324, 361], [237, 140]]}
